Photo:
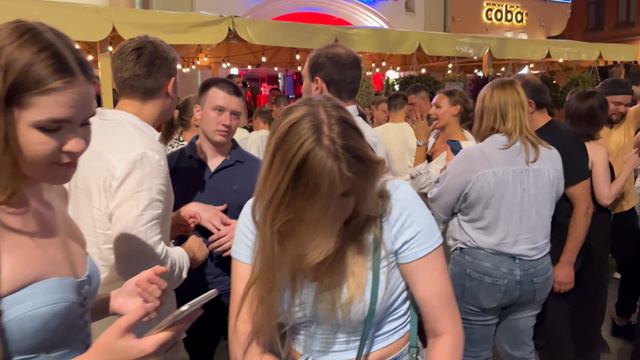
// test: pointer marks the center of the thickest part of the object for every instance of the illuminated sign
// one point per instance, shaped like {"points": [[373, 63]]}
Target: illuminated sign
{"points": [[504, 14], [562, 1]]}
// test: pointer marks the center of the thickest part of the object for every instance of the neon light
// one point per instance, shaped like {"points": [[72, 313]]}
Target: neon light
{"points": [[313, 18], [504, 14]]}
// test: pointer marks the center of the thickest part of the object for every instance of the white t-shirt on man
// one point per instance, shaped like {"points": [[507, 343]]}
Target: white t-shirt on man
{"points": [[399, 142]]}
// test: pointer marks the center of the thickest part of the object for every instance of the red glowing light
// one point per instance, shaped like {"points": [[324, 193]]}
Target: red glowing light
{"points": [[313, 18]]}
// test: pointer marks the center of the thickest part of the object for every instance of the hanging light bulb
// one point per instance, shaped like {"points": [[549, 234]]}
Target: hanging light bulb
{"points": [[377, 69], [299, 67], [206, 58], [450, 65], [228, 63], [90, 57], [503, 68], [475, 58], [398, 68], [531, 65], [264, 58], [475, 71], [373, 65], [193, 66], [224, 64], [110, 48], [179, 66], [560, 60], [449, 71], [198, 61], [384, 63], [297, 55], [76, 45], [275, 68], [423, 71], [249, 67]]}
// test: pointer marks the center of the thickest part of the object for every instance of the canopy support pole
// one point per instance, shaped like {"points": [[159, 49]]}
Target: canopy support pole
{"points": [[106, 76]]}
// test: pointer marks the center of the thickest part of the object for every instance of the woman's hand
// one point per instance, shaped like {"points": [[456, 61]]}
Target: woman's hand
{"points": [[146, 288], [632, 159], [120, 342]]}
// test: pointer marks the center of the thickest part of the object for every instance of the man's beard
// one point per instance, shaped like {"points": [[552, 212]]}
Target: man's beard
{"points": [[612, 121]]}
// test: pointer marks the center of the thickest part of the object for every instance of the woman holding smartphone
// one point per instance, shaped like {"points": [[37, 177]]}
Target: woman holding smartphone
{"points": [[48, 283], [499, 197], [449, 109], [306, 249]]}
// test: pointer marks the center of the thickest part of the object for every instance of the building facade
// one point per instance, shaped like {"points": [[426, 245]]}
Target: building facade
{"points": [[604, 21]]}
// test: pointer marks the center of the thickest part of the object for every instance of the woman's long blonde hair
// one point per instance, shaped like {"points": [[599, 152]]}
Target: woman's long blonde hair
{"points": [[502, 108], [35, 59], [315, 150]]}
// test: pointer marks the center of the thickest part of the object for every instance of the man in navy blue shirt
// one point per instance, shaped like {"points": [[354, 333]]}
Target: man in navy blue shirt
{"points": [[213, 169]]}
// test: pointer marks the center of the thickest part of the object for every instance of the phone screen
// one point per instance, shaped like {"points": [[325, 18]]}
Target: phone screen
{"points": [[184, 310], [455, 146]]}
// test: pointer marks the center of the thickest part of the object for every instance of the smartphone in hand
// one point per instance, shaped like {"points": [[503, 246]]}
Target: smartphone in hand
{"points": [[455, 146]]}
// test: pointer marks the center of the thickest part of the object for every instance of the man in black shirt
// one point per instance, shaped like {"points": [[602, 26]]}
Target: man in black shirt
{"points": [[560, 327]]}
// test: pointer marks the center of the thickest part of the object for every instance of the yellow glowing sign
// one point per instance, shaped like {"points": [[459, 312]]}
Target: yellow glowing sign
{"points": [[504, 14]]}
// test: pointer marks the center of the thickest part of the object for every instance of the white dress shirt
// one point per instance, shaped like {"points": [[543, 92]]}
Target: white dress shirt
{"points": [[122, 200], [257, 142], [368, 132], [399, 142]]}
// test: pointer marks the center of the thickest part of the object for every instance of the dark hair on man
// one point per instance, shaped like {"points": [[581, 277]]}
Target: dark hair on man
{"points": [[339, 67], [142, 67], [264, 114], [460, 98], [397, 101], [232, 76], [536, 91], [275, 88], [377, 101], [587, 112], [281, 100], [225, 85], [418, 89]]}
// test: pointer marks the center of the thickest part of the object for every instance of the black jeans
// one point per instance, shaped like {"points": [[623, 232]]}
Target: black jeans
{"points": [[205, 334], [568, 327], [626, 251]]}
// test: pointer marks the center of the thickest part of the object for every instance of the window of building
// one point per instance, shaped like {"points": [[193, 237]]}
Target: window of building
{"points": [[595, 14], [627, 11]]}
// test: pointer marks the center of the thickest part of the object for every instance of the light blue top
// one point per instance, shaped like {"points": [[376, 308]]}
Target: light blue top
{"points": [[498, 202], [50, 319], [409, 233]]}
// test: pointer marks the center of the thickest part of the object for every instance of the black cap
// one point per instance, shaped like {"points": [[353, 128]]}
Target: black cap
{"points": [[614, 87]]}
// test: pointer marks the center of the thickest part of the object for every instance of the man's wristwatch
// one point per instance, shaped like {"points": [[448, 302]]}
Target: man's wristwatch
{"points": [[421, 143]]}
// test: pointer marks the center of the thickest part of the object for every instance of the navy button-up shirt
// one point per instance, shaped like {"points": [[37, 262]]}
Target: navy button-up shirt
{"points": [[233, 183]]}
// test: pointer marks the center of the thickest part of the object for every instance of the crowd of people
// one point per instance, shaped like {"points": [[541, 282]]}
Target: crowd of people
{"points": [[433, 228]]}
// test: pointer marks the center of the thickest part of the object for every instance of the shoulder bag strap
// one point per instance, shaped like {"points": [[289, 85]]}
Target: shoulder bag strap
{"points": [[375, 283]]}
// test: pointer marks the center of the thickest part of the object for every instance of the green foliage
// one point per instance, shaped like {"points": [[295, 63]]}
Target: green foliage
{"points": [[389, 87], [557, 93], [581, 80], [430, 82], [367, 92], [578, 80]]}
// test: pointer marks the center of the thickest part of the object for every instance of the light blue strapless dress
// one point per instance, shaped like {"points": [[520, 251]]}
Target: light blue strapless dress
{"points": [[50, 319]]}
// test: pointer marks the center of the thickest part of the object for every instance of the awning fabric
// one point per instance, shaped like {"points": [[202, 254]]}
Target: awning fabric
{"points": [[94, 23]]}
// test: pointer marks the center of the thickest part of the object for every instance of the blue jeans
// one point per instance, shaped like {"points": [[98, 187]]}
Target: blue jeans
{"points": [[499, 297]]}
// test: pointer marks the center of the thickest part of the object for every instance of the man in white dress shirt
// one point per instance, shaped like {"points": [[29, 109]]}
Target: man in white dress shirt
{"points": [[257, 140], [121, 194], [397, 137], [336, 70]]}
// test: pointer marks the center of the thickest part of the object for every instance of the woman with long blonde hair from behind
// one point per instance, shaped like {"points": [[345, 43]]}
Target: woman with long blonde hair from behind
{"points": [[305, 250], [499, 197]]}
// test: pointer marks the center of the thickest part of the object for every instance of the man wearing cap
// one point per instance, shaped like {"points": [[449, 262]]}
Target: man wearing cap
{"points": [[618, 138]]}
